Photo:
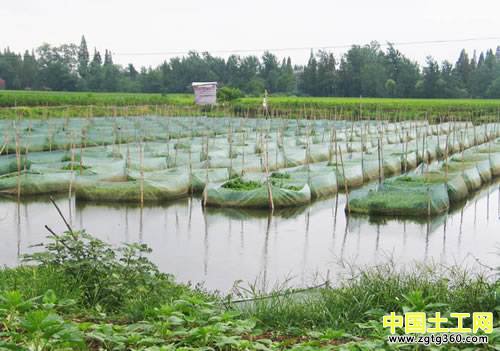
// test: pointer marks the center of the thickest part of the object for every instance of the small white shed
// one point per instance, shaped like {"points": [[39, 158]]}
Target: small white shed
{"points": [[205, 93]]}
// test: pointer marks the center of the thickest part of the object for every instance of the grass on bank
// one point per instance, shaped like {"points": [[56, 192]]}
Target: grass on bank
{"points": [[79, 293]]}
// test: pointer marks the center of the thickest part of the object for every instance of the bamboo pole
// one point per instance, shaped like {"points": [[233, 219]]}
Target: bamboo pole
{"points": [[406, 153], [428, 202], [362, 150], [82, 143], [345, 182], [230, 140], [269, 188], [446, 160], [141, 159], [18, 159], [205, 191], [379, 162], [72, 160]]}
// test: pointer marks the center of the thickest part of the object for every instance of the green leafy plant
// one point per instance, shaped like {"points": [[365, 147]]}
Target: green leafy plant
{"points": [[228, 93], [107, 277], [240, 184]]}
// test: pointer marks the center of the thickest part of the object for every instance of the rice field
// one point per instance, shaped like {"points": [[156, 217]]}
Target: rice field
{"points": [[43, 104]]}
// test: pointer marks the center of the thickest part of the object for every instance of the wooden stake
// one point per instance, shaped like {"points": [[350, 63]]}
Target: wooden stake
{"points": [[141, 159], [269, 188], [345, 182]]}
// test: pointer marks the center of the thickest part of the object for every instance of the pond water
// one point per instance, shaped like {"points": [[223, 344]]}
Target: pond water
{"points": [[219, 247]]}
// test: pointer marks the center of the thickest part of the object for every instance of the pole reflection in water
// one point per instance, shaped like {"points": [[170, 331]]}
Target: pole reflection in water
{"points": [[305, 248], [443, 254], [18, 230], [202, 246], [206, 245], [141, 223], [265, 252]]}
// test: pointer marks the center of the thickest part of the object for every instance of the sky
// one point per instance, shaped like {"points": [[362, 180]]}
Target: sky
{"points": [[133, 30]]}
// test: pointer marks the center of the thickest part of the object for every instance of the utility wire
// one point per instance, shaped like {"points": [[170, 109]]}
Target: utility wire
{"points": [[235, 51]]}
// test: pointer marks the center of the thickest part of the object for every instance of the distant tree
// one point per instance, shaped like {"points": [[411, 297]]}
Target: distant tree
{"points": [[131, 71], [58, 67], [482, 76], [326, 74], [463, 69], [402, 71], [108, 58], [493, 90], [83, 58], [111, 78], [251, 82], [390, 87], [361, 71], [270, 72], [309, 77], [29, 72], [95, 76], [449, 84], [432, 81], [286, 80]]}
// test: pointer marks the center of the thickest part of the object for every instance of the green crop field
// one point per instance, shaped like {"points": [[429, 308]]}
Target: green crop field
{"points": [[43, 103], [13, 98]]}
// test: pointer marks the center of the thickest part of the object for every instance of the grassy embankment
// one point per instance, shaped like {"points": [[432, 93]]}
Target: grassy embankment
{"points": [[80, 293], [67, 104]]}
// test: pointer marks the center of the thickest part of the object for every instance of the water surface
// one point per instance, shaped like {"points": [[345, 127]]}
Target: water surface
{"points": [[219, 247]]}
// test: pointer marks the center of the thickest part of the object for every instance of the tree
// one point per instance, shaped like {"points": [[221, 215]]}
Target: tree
{"points": [[493, 91], [94, 79], [252, 83], [270, 72], [402, 71], [286, 80], [390, 86], [464, 69], [83, 58], [108, 59], [309, 81], [326, 74], [431, 79], [29, 73], [58, 67], [361, 71]]}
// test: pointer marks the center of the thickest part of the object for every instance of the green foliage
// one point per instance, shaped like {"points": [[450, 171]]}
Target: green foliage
{"points": [[108, 279], [241, 185], [75, 167], [374, 293], [38, 313], [35, 323], [281, 175], [72, 104], [24, 163], [362, 71], [227, 93], [494, 89]]}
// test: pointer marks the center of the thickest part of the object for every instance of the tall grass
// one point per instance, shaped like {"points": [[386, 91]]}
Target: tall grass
{"points": [[376, 292]]}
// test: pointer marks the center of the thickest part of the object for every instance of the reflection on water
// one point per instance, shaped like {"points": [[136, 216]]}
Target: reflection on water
{"points": [[222, 246]]}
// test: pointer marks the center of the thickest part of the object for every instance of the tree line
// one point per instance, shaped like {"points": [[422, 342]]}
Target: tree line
{"points": [[365, 70]]}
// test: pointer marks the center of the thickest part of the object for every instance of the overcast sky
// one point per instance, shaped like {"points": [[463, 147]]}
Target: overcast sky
{"points": [[163, 26]]}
